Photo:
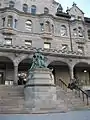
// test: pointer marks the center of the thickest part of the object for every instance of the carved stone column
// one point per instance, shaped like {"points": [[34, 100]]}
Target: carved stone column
{"points": [[15, 75]]}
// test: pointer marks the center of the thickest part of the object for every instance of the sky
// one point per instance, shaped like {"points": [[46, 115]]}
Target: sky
{"points": [[84, 5]]}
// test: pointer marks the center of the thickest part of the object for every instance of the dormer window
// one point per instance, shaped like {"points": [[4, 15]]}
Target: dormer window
{"points": [[79, 18], [73, 17], [11, 4]]}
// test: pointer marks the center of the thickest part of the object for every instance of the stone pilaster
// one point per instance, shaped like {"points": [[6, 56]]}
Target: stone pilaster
{"points": [[15, 75], [71, 73]]}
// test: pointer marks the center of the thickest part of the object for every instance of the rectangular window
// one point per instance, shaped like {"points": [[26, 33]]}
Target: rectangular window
{"points": [[28, 43], [8, 41], [64, 47], [3, 21], [79, 18], [81, 49], [15, 23], [47, 45], [10, 21], [42, 27]]}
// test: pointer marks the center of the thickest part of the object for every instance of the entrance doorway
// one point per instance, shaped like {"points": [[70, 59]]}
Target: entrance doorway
{"points": [[1, 78]]}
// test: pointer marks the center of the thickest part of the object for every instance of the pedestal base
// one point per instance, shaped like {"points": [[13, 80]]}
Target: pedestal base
{"points": [[40, 91]]}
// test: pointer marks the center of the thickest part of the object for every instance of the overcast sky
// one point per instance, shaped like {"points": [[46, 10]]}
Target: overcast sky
{"points": [[84, 5]]}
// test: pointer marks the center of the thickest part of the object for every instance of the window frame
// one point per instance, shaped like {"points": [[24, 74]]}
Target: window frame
{"points": [[11, 4], [47, 43], [8, 39], [33, 9], [28, 25], [28, 41], [25, 8], [63, 28], [10, 21]]}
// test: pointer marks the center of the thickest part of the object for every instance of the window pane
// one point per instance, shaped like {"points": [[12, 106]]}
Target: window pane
{"points": [[11, 4], [80, 49], [46, 10], [27, 42], [8, 41], [47, 45], [28, 25], [42, 27], [10, 21], [80, 32], [88, 34], [63, 30], [25, 7], [15, 23], [47, 26], [3, 22], [33, 9], [64, 47]]}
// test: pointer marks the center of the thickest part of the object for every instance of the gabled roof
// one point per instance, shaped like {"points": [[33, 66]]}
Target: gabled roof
{"points": [[54, 2], [77, 8]]}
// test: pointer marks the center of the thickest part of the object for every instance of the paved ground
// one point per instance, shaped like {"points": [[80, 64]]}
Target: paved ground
{"points": [[73, 115]]}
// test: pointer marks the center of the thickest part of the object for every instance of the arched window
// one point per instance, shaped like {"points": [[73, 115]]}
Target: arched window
{"points": [[63, 30], [28, 25], [33, 9], [11, 4], [89, 34], [25, 7], [80, 32], [47, 26], [46, 10], [75, 32], [10, 21]]}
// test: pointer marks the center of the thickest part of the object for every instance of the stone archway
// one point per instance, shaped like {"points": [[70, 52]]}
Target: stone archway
{"points": [[60, 71], [82, 73], [23, 68], [6, 71]]}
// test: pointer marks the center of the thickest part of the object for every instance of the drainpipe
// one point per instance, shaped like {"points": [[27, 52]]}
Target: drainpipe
{"points": [[71, 46]]}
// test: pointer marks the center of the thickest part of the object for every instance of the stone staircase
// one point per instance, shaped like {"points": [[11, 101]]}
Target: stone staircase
{"points": [[12, 100], [72, 98]]}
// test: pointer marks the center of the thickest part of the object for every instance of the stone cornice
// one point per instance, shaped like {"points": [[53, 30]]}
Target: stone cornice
{"points": [[50, 52]]}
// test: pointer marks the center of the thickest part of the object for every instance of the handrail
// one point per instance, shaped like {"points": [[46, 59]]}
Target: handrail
{"points": [[83, 93], [63, 84], [78, 88]]}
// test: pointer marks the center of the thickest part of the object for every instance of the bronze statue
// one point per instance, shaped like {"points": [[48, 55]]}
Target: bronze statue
{"points": [[38, 61]]}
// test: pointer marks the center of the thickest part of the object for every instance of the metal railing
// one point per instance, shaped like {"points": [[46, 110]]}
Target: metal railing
{"points": [[82, 94]]}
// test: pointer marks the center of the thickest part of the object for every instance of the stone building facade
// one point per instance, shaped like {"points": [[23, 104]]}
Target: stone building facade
{"points": [[63, 37]]}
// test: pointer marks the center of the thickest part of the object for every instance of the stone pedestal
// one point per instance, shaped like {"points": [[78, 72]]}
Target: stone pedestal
{"points": [[40, 91]]}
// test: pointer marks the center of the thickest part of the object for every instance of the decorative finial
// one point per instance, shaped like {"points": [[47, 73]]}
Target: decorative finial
{"points": [[59, 9], [67, 9], [74, 4]]}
